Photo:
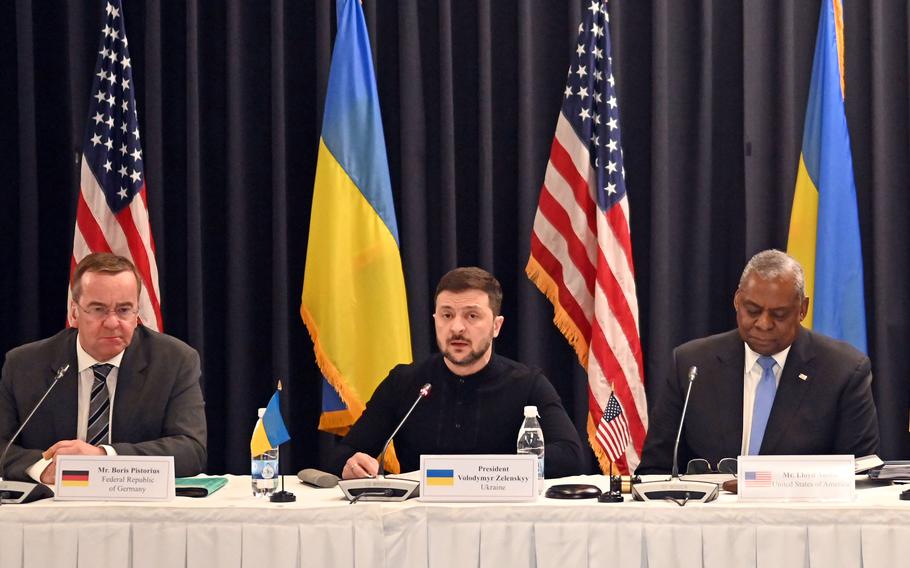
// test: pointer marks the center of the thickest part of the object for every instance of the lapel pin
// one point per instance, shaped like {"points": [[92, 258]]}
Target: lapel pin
{"points": [[803, 377]]}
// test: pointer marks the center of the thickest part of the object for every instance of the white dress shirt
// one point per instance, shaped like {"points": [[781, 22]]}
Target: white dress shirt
{"points": [[752, 375]]}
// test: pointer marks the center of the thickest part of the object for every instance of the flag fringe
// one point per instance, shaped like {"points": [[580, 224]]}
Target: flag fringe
{"points": [[330, 371], [334, 422], [564, 323], [839, 38]]}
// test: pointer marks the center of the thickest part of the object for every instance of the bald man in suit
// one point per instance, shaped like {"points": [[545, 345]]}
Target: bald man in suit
{"points": [[820, 398]]}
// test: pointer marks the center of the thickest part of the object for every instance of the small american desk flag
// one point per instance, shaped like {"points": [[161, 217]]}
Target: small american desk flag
{"points": [[613, 429], [581, 249], [112, 215]]}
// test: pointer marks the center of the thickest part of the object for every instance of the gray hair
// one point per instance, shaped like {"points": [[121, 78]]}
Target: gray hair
{"points": [[770, 264]]}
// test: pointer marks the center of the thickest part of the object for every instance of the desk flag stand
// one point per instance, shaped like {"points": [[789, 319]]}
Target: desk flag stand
{"points": [[282, 496], [271, 432], [614, 493]]}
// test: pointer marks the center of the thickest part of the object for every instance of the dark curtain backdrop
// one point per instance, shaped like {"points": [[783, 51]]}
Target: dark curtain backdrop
{"points": [[230, 96]]}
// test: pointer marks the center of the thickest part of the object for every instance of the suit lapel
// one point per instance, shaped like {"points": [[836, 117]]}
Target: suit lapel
{"points": [[66, 394], [790, 392], [130, 378], [728, 389]]}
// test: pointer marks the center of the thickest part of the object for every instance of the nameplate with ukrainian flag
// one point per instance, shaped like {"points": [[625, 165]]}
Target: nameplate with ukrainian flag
{"points": [[478, 478], [796, 478], [114, 478]]}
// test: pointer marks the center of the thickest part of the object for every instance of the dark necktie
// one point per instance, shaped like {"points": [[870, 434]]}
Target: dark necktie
{"points": [[98, 431]]}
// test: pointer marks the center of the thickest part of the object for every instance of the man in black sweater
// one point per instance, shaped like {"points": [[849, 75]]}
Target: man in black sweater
{"points": [[477, 400]]}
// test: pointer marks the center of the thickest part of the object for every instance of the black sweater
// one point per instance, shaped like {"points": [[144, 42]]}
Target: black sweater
{"points": [[475, 414]]}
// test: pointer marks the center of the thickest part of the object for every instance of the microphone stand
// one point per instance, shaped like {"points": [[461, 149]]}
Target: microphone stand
{"points": [[15, 492], [382, 488], [675, 489]]}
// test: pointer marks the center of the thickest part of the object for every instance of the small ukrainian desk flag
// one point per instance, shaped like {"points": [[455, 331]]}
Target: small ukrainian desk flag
{"points": [[270, 431]]}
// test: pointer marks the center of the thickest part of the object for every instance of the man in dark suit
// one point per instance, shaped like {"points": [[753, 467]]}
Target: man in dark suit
{"points": [[128, 390], [768, 387]]}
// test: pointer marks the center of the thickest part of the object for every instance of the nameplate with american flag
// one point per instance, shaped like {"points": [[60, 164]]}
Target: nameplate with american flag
{"points": [[114, 478], [796, 478]]}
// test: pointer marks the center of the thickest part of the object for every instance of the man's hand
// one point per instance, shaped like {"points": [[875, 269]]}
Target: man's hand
{"points": [[360, 465], [66, 448]]}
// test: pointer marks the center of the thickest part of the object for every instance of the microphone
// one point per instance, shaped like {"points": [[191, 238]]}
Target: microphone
{"points": [[382, 488], [14, 492], [693, 372], [317, 478], [421, 394], [675, 489]]}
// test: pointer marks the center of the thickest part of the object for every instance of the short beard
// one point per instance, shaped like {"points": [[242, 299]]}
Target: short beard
{"points": [[470, 358]]}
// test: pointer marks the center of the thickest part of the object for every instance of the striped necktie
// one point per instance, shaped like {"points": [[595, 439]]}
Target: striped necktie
{"points": [[764, 399], [98, 431]]}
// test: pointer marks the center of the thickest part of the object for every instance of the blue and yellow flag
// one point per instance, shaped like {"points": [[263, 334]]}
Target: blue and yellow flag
{"points": [[824, 224], [270, 431], [354, 301]]}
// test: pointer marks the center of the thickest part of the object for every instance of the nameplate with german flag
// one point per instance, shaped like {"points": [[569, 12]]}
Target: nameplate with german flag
{"points": [[485, 478], [115, 478]]}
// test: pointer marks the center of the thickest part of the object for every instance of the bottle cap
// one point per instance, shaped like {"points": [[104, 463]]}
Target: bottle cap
{"points": [[261, 412], [531, 412]]}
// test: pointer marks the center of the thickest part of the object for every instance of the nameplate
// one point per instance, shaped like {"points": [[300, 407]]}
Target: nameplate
{"points": [[478, 478], [114, 478], [796, 478]]}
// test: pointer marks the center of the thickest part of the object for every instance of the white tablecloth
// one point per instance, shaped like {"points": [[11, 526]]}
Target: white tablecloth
{"points": [[233, 529]]}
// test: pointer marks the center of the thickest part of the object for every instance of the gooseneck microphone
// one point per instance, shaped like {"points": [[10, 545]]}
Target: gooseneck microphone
{"points": [[12, 492], [693, 372], [675, 489], [382, 488], [421, 394]]}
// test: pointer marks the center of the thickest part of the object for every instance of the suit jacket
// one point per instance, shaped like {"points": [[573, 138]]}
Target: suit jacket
{"points": [[158, 406], [831, 411]]}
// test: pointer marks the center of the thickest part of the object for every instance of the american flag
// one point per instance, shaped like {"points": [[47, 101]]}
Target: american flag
{"points": [[581, 249], [112, 214], [613, 429], [758, 478]]}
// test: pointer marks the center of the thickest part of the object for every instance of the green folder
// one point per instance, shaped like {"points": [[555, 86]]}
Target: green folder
{"points": [[198, 486]]}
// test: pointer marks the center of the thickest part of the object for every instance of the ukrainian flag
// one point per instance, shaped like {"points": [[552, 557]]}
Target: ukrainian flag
{"points": [[270, 431], [354, 302], [824, 224], [441, 477]]}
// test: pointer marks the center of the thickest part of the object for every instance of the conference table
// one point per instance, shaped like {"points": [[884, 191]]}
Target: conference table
{"points": [[231, 528]]}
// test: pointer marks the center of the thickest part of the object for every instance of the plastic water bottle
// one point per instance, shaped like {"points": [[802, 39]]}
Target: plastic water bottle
{"points": [[530, 441], [264, 470]]}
